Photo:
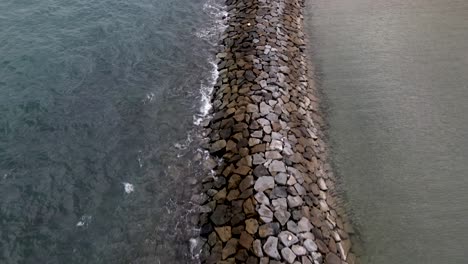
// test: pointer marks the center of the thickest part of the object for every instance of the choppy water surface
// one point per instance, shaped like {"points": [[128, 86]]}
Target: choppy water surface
{"points": [[97, 100], [394, 75]]}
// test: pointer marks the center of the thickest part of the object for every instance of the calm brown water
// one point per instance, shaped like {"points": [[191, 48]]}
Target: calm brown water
{"points": [[395, 78]]}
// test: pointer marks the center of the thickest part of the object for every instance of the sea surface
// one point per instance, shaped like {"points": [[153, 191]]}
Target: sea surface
{"points": [[394, 75], [99, 107]]}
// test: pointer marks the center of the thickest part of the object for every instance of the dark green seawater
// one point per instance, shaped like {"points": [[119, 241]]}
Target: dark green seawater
{"points": [[97, 107], [394, 74]]}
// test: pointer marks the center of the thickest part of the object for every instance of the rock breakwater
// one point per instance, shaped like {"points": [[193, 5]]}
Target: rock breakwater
{"points": [[271, 198]]}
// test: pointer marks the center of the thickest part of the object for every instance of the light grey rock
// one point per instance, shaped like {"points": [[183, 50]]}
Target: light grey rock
{"points": [[258, 159], [307, 235], [322, 185], [264, 183], [304, 225], [288, 255], [306, 260], [257, 248], [291, 181], [323, 205], [282, 216], [277, 166], [276, 145], [281, 178], [279, 204], [287, 238], [299, 250], [294, 201], [292, 226], [254, 141], [285, 69], [271, 247], [265, 214], [262, 198], [300, 189], [265, 109], [310, 245], [275, 155], [257, 134]]}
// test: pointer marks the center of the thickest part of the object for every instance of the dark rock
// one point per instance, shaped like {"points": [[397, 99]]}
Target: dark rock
{"points": [[221, 215]]}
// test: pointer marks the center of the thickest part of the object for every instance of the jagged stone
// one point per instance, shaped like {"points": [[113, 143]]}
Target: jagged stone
{"points": [[257, 248], [221, 215], [331, 258], [304, 225], [288, 255], [299, 250], [264, 183], [230, 248], [282, 216], [271, 248], [246, 240], [269, 229], [277, 166], [265, 214], [224, 233], [287, 238], [251, 226], [294, 201]]}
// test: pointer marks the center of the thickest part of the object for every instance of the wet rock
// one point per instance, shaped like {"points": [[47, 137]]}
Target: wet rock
{"points": [[218, 146], [271, 248]]}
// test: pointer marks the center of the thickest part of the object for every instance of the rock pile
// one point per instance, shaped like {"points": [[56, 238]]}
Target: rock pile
{"points": [[271, 200]]}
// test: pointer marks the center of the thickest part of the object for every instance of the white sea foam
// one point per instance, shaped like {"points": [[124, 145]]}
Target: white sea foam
{"points": [[217, 12], [128, 187], [206, 90], [84, 221]]}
